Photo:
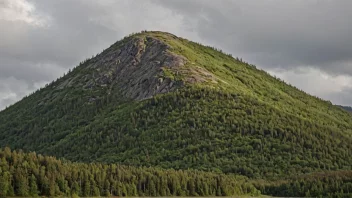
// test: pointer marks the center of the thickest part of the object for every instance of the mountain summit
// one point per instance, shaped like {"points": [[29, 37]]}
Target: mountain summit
{"points": [[155, 99], [139, 67]]}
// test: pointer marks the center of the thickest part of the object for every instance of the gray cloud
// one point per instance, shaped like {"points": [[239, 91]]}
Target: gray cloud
{"points": [[343, 98], [68, 38], [32, 53], [42, 39], [276, 33]]}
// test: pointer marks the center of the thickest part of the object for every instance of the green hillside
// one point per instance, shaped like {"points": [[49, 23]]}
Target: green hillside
{"points": [[155, 99]]}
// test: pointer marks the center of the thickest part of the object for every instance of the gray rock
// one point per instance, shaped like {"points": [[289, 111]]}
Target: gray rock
{"points": [[136, 69]]}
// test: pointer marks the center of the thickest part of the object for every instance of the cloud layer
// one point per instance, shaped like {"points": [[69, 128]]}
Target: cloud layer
{"points": [[305, 42]]}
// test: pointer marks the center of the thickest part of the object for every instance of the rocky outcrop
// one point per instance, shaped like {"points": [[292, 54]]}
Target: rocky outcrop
{"points": [[138, 68]]}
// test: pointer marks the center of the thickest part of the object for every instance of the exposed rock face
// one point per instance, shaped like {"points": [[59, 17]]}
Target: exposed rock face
{"points": [[135, 69]]}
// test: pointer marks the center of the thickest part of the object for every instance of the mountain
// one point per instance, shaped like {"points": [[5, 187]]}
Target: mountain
{"points": [[349, 109], [154, 99]]}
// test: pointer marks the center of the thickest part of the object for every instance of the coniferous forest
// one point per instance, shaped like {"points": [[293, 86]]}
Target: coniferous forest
{"points": [[29, 174], [158, 115]]}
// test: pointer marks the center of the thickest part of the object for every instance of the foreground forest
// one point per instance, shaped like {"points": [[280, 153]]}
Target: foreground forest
{"points": [[29, 174]]}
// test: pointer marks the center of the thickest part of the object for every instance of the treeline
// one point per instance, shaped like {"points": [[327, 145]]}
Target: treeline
{"points": [[29, 174], [324, 184]]}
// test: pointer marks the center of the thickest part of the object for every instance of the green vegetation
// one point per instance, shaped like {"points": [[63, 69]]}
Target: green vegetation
{"points": [[29, 174], [201, 129], [33, 175], [324, 184], [236, 119]]}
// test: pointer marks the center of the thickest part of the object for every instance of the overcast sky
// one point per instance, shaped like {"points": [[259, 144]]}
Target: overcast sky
{"points": [[308, 43]]}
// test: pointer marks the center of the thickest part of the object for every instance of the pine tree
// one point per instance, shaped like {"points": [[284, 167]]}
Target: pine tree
{"points": [[22, 187], [33, 188], [4, 183]]}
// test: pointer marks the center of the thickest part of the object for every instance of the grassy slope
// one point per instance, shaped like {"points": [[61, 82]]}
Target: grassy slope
{"points": [[242, 78], [248, 122]]}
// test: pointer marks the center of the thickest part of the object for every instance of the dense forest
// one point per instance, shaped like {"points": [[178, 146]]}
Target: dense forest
{"points": [[29, 174], [194, 128], [324, 184], [203, 110]]}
